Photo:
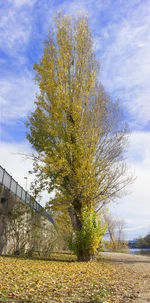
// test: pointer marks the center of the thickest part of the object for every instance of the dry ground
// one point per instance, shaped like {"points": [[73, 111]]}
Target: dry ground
{"points": [[137, 269]]}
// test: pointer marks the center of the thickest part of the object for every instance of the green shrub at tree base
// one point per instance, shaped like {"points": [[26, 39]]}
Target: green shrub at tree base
{"points": [[85, 242]]}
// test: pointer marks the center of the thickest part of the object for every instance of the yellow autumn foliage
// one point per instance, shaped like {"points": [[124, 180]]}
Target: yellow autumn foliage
{"points": [[75, 128]]}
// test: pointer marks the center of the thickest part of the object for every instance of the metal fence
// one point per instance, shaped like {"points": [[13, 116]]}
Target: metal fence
{"points": [[16, 189]]}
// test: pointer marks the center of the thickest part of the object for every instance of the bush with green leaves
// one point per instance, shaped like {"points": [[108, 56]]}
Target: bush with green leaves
{"points": [[85, 242]]}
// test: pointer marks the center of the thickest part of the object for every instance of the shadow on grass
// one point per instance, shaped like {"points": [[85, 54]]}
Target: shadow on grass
{"points": [[55, 256], [58, 257]]}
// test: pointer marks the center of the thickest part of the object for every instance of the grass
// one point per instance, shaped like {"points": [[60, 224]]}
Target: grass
{"points": [[62, 279], [59, 279]]}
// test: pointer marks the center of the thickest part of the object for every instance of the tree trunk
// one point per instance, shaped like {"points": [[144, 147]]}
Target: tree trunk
{"points": [[76, 222], [84, 257]]}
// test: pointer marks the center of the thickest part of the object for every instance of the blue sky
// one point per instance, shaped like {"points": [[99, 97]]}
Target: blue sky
{"points": [[122, 42]]}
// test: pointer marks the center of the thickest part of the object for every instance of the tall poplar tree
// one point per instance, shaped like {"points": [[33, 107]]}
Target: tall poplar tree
{"points": [[75, 129]]}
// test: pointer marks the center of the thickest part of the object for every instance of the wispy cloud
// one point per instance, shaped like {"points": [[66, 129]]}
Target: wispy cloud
{"points": [[21, 3], [126, 61], [135, 206], [17, 95], [15, 26], [14, 162], [122, 41], [139, 149], [15, 159]]}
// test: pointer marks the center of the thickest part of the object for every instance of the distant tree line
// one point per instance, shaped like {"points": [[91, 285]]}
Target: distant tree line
{"points": [[143, 242]]}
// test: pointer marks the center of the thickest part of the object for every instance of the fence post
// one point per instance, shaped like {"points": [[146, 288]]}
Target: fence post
{"points": [[3, 176], [10, 182], [26, 197], [21, 192], [16, 187]]}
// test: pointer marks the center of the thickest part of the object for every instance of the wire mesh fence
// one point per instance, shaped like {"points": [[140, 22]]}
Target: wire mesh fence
{"points": [[16, 189]]}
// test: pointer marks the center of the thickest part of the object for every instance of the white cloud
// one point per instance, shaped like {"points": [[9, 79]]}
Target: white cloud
{"points": [[126, 61], [139, 149], [17, 96], [123, 43], [19, 3], [16, 160], [135, 207], [15, 27]]}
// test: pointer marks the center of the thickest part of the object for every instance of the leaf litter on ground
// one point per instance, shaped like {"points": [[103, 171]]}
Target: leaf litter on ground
{"points": [[39, 281]]}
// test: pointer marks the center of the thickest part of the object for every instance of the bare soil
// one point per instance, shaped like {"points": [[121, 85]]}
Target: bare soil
{"points": [[137, 273]]}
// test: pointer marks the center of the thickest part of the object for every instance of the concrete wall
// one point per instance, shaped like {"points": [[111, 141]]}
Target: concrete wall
{"points": [[21, 228]]}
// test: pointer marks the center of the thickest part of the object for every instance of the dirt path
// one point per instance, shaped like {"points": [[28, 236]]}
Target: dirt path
{"points": [[137, 267]]}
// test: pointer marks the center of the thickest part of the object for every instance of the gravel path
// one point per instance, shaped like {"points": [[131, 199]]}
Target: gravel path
{"points": [[139, 267]]}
